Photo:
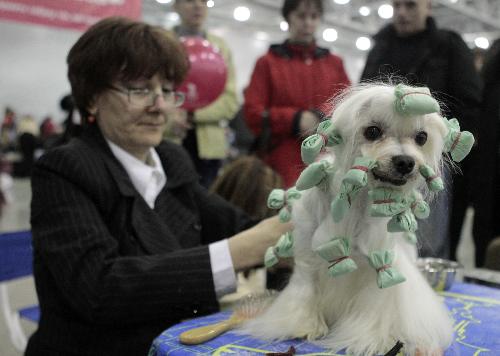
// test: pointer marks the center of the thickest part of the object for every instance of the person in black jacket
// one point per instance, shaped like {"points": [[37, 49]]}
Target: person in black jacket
{"points": [[487, 207], [126, 242], [412, 49]]}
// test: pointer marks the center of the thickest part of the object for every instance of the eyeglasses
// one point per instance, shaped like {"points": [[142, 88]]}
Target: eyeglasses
{"points": [[145, 97]]}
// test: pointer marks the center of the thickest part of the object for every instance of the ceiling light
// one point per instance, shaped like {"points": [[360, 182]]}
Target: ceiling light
{"points": [[262, 36], [284, 26], [385, 11], [173, 16], [341, 2], [364, 11], [363, 43], [482, 42], [453, 1], [163, 1], [241, 13], [210, 3], [330, 35]]}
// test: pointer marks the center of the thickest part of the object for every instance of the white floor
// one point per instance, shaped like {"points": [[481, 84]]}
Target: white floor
{"points": [[16, 217]]}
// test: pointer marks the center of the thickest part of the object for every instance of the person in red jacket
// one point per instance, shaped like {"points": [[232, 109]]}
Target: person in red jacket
{"points": [[290, 85]]}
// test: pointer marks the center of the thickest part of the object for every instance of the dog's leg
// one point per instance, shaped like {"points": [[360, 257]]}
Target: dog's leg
{"points": [[295, 312]]}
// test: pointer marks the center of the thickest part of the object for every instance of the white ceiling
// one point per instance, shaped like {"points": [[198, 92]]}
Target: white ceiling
{"points": [[471, 18]]}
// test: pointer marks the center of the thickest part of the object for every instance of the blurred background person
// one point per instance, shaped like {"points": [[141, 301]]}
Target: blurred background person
{"points": [[487, 204], [203, 131], [49, 132], [289, 86], [126, 242], [28, 142], [71, 124], [414, 49], [8, 133], [246, 183]]}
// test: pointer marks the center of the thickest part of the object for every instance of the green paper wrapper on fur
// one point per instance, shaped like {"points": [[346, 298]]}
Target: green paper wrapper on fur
{"points": [[284, 200], [358, 174], [414, 101], [313, 144], [285, 214], [276, 199], [387, 276], [411, 237], [337, 252], [457, 143], [283, 248], [434, 182], [270, 258], [316, 174], [419, 206], [387, 202], [403, 222], [343, 201]]}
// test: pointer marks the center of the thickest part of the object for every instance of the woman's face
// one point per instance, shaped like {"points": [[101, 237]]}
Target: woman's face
{"points": [[303, 22], [192, 12], [131, 119]]}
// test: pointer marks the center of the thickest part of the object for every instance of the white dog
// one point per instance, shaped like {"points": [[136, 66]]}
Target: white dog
{"points": [[367, 306]]}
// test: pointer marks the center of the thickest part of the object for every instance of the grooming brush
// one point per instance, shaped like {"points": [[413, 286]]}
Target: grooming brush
{"points": [[246, 308]]}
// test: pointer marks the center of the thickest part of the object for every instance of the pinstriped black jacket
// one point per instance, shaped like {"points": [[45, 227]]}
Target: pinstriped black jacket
{"points": [[110, 272]]}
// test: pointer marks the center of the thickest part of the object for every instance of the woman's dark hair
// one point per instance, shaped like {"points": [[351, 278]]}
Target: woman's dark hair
{"points": [[118, 48], [291, 5], [246, 183]]}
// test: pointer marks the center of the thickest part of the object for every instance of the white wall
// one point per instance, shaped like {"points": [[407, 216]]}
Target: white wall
{"points": [[33, 68], [33, 64]]}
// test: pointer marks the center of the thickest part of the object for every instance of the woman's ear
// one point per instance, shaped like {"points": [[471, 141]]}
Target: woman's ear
{"points": [[92, 107], [92, 110]]}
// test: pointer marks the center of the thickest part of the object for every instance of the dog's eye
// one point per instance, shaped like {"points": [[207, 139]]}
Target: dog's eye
{"points": [[421, 138], [372, 133]]}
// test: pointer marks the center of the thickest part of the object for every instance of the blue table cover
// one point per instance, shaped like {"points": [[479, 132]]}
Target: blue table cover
{"points": [[475, 310]]}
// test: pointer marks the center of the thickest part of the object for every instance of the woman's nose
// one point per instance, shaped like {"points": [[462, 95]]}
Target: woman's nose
{"points": [[159, 102]]}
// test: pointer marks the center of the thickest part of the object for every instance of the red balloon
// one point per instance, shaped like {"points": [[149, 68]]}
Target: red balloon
{"points": [[207, 75]]}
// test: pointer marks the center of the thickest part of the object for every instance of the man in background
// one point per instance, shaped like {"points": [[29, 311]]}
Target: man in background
{"points": [[203, 132], [414, 50]]}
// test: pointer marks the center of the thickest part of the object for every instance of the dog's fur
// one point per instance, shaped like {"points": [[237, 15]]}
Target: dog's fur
{"points": [[350, 311]]}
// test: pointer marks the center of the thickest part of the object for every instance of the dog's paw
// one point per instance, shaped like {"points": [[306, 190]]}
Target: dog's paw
{"points": [[313, 329]]}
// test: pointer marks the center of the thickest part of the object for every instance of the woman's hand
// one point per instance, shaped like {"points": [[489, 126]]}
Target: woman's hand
{"points": [[308, 123], [248, 247]]}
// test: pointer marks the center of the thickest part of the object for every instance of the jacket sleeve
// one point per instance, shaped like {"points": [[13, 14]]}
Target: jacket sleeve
{"points": [[370, 71], [258, 96], [83, 260], [226, 105], [465, 85]]}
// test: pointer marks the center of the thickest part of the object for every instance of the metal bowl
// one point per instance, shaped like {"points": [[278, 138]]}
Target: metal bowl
{"points": [[439, 273]]}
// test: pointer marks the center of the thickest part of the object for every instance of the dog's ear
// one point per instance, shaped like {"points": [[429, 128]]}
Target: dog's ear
{"points": [[365, 107]]}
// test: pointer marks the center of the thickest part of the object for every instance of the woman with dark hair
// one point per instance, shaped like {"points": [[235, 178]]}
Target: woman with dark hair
{"points": [[126, 242], [289, 87], [246, 183]]}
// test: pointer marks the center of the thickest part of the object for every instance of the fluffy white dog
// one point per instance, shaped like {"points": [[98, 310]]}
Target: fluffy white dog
{"points": [[355, 284]]}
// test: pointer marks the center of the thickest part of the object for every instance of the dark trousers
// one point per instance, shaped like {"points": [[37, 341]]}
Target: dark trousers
{"points": [[207, 168]]}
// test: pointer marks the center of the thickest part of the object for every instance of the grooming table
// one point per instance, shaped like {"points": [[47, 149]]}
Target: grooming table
{"points": [[475, 309]]}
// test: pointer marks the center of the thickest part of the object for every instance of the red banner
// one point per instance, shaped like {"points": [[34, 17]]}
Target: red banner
{"points": [[74, 14]]}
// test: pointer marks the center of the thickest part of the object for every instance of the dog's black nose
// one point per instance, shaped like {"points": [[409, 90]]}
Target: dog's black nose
{"points": [[404, 164]]}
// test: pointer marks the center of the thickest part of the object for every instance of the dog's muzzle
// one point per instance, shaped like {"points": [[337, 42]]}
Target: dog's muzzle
{"points": [[402, 167]]}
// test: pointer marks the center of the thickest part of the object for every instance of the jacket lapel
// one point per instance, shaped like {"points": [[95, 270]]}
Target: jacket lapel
{"points": [[151, 233]]}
